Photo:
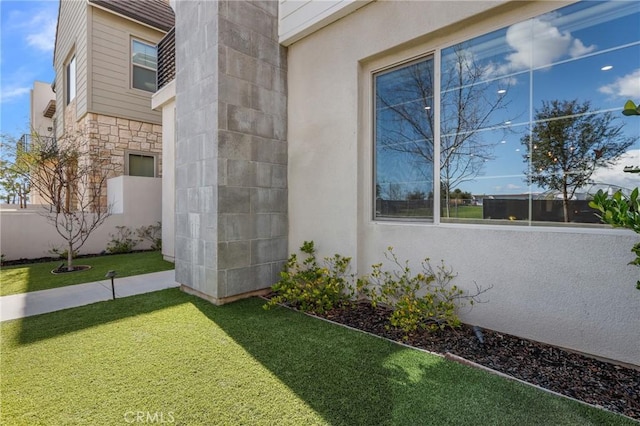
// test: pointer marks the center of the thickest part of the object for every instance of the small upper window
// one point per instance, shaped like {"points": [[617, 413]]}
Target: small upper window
{"points": [[144, 64], [71, 80]]}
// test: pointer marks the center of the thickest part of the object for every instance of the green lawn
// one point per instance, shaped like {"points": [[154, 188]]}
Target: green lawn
{"points": [[171, 356], [464, 212], [38, 276]]}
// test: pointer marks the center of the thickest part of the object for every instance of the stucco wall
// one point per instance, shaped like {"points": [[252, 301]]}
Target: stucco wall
{"points": [[41, 95], [165, 100], [570, 287], [27, 234]]}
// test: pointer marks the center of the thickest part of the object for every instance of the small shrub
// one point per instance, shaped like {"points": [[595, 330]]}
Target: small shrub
{"points": [[123, 241], [311, 287], [62, 253], [622, 211], [151, 233], [426, 300], [2, 259]]}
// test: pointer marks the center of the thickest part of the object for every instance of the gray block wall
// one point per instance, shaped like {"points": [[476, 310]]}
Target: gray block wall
{"points": [[231, 149]]}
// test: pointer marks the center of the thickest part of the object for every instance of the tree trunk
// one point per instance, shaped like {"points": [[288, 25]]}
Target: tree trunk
{"points": [[70, 257], [565, 201]]}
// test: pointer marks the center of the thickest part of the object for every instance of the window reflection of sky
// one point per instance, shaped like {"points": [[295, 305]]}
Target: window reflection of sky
{"points": [[559, 55], [564, 52]]}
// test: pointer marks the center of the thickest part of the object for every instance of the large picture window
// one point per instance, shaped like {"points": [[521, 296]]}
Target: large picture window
{"points": [[144, 64], [529, 122], [404, 141]]}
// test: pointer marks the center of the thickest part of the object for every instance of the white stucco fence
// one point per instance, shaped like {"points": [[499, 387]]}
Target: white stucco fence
{"points": [[136, 201]]}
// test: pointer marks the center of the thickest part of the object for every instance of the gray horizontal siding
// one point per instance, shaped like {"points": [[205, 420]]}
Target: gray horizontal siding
{"points": [[111, 92], [71, 37]]}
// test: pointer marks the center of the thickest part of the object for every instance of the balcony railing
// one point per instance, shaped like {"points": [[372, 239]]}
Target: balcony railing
{"points": [[166, 59], [26, 141]]}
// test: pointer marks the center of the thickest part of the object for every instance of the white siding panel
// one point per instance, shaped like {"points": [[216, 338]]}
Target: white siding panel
{"points": [[299, 18], [288, 7]]}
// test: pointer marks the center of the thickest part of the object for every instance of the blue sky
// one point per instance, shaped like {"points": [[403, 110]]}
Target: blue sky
{"points": [[577, 52], [27, 30]]}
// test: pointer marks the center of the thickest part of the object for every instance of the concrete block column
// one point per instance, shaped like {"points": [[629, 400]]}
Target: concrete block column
{"points": [[231, 149]]}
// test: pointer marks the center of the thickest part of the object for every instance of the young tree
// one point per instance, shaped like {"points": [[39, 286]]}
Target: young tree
{"points": [[70, 176], [14, 187], [567, 143]]}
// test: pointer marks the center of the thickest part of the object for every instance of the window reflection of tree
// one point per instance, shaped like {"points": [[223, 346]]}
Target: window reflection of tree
{"points": [[569, 140], [468, 105]]}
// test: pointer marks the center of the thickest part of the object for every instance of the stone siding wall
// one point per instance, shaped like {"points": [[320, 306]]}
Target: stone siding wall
{"points": [[114, 137], [231, 149], [117, 136]]}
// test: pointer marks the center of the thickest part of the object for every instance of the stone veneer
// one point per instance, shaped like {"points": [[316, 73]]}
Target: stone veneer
{"points": [[231, 150], [116, 136]]}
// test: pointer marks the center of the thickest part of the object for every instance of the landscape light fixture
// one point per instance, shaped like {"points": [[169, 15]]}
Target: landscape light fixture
{"points": [[112, 275]]}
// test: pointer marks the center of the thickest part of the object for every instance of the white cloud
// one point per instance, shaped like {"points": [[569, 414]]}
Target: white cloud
{"points": [[35, 25], [538, 43], [514, 186], [627, 86], [41, 31], [16, 84], [614, 175], [11, 93], [579, 49]]}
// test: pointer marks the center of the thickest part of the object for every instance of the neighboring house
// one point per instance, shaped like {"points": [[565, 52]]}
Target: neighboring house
{"points": [[105, 63], [42, 110], [279, 145]]}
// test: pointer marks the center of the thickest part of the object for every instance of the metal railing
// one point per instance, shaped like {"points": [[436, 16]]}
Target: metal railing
{"points": [[166, 59], [26, 141]]}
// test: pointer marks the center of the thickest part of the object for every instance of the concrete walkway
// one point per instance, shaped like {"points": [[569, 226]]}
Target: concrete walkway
{"points": [[41, 302]]}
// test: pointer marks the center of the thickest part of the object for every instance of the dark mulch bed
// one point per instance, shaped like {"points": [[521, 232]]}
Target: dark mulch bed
{"points": [[62, 269], [610, 386]]}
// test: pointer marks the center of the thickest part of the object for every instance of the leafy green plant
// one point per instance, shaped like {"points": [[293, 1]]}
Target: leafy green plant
{"points": [[310, 286], [620, 211], [151, 233], [426, 300], [63, 253], [630, 108], [123, 241]]}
